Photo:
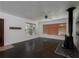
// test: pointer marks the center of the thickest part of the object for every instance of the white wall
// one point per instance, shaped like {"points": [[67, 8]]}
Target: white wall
{"points": [[40, 27], [76, 17], [14, 36]]}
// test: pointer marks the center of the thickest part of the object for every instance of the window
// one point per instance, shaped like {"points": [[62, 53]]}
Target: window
{"points": [[54, 29], [30, 28]]}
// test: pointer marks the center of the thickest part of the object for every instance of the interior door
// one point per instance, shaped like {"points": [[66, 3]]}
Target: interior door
{"points": [[1, 32]]}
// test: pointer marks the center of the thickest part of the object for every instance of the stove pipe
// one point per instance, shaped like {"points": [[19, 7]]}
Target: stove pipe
{"points": [[70, 20], [68, 43]]}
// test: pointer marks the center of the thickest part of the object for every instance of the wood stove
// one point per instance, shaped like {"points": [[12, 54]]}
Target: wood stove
{"points": [[68, 43]]}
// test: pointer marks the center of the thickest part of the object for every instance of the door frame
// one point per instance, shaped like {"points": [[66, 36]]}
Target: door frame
{"points": [[1, 19]]}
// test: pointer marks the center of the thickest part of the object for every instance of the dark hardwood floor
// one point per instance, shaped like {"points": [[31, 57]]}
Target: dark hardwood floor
{"points": [[35, 48]]}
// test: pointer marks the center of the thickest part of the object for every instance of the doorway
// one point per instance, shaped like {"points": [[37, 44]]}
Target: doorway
{"points": [[1, 32]]}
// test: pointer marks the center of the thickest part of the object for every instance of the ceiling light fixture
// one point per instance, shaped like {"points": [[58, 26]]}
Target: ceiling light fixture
{"points": [[46, 16]]}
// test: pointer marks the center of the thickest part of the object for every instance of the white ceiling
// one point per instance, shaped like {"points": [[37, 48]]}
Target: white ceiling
{"points": [[36, 9]]}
